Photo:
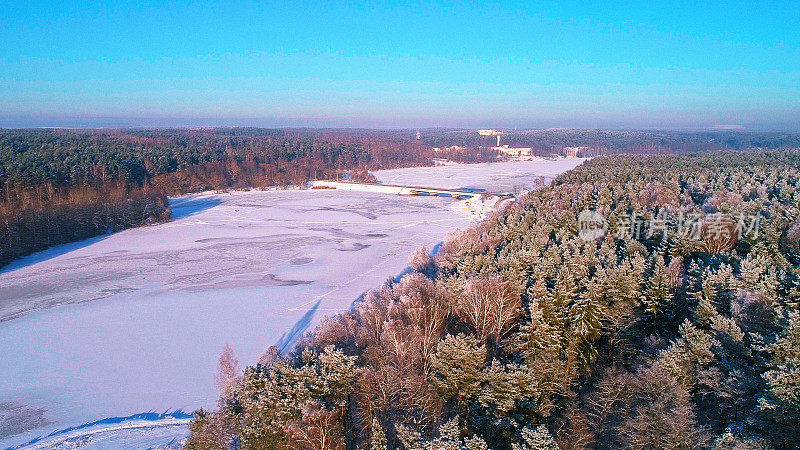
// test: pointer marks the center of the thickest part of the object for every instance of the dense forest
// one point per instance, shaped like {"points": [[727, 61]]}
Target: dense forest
{"points": [[637, 302], [59, 186]]}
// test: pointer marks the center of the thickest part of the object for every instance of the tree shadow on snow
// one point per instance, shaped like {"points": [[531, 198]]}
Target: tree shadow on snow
{"points": [[185, 207], [287, 341], [50, 253], [182, 207]]}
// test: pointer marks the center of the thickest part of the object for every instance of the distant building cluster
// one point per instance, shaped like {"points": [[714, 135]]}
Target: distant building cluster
{"points": [[489, 132], [506, 151], [452, 148], [515, 152]]}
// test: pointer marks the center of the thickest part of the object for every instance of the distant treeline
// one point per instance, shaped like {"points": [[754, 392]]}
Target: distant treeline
{"points": [[58, 186], [612, 142]]}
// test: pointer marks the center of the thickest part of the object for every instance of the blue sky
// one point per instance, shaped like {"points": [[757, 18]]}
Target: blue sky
{"points": [[685, 65]]}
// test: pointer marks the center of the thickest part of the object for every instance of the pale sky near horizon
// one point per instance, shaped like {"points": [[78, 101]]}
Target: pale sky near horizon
{"points": [[634, 64]]}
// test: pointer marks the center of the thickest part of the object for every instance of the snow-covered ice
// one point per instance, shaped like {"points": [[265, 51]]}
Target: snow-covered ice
{"points": [[133, 322], [509, 176]]}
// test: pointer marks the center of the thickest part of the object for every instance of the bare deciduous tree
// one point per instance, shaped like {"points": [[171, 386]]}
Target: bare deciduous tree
{"points": [[319, 429], [490, 306], [228, 371]]}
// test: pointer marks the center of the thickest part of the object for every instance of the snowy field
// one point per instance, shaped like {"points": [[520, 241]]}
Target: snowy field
{"points": [[133, 322]]}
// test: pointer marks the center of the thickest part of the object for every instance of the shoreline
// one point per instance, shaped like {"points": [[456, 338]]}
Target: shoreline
{"points": [[192, 307]]}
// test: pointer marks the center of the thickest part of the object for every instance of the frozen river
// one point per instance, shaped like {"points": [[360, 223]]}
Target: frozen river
{"points": [[133, 322]]}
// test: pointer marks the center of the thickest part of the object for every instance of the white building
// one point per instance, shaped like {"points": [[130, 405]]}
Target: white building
{"points": [[515, 152], [573, 152]]}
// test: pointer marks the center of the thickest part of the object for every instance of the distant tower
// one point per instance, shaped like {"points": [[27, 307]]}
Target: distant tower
{"points": [[491, 132], [418, 135]]}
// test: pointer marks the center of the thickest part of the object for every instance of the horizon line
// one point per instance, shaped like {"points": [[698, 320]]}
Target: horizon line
{"points": [[403, 128]]}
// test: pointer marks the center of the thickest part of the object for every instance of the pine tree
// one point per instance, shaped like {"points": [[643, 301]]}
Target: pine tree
{"points": [[588, 312], [505, 387], [207, 432], [705, 311], [336, 373], [587, 315], [537, 438], [658, 293], [781, 404], [688, 356], [378, 440], [449, 438], [457, 368]]}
